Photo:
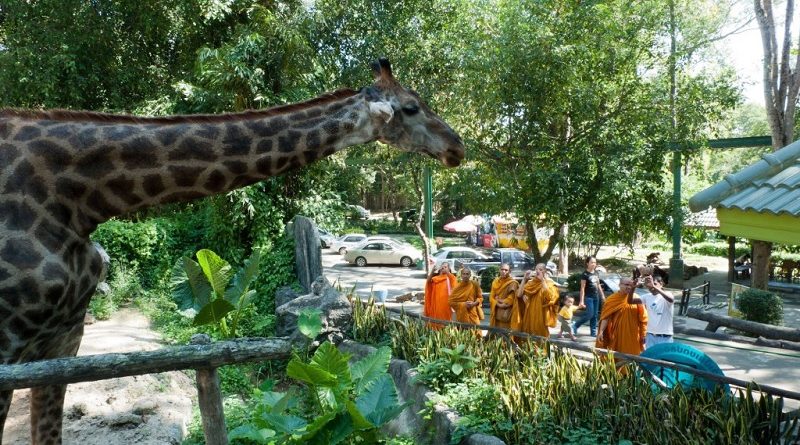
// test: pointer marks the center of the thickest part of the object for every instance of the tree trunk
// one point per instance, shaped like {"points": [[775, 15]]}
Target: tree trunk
{"points": [[764, 330], [761, 257], [563, 253]]}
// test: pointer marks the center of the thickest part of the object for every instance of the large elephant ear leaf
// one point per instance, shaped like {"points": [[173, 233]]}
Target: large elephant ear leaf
{"points": [[243, 278], [216, 270], [190, 289], [378, 403], [368, 369], [213, 312]]}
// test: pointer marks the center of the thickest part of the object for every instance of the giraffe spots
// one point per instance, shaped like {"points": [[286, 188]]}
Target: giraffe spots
{"points": [[21, 253], [267, 128], [4, 275], [312, 140], [314, 112], [118, 132], [264, 146], [22, 328], [185, 176], [55, 156], [5, 129], [288, 143], [94, 164], [168, 135], [264, 165], [5, 343], [153, 185], [192, 149], [310, 123], [235, 143], [70, 188], [331, 142], [18, 216], [281, 163], [331, 127], [27, 133], [59, 212], [207, 131], [39, 316], [236, 167], [298, 116], [101, 206], [139, 153], [8, 153], [53, 294], [348, 126], [328, 151], [338, 106], [310, 156], [86, 137], [216, 181], [19, 178], [54, 272], [124, 189], [60, 132]]}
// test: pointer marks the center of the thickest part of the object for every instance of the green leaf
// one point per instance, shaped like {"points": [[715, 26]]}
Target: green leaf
{"points": [[457, 368], [286, 424], [251, 433], [330, 359], [309, 322], [332, 432], [190, 289], [213, 312], [360, 422], [379, 401], [309, 373], [278, 402], [216, 270], [240, 284], [366, 370]]}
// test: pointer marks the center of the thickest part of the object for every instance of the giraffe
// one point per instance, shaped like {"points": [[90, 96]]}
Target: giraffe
{"points": [[62, 173]]}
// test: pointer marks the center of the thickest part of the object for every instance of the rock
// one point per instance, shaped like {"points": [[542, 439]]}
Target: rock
{"points": [[337, 313], [144, 407], [307, 252], [403, 298], [284, 295]]}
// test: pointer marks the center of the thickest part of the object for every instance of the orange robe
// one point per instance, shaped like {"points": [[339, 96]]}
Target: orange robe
{"points": [[437, 292], [542, 307], [467, 291], [504, 290], [627, 325]]}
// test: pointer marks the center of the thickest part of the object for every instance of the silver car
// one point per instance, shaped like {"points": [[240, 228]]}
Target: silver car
{"points": [[347, 240], [326, 239], [383, 252], [455, 256]]}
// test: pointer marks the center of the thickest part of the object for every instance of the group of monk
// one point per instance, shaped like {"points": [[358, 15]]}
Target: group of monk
{"points": [[533, 306]]}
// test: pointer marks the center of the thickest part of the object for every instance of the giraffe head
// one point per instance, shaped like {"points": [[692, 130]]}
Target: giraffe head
{"points": [[405, 121]]}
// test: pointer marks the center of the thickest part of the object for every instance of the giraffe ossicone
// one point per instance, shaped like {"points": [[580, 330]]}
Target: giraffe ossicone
{"points": [[63, 172]]}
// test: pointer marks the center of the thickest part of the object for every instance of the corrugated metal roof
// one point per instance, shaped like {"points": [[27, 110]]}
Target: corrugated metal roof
{"points": [[772, 185], [706, 219]]}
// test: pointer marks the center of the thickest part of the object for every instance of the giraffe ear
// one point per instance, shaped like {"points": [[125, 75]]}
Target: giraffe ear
{"points": [[381, 109], [381, 68]]}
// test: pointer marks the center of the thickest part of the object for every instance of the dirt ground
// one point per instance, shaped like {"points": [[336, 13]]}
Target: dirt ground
{"points": [[150, 409]]}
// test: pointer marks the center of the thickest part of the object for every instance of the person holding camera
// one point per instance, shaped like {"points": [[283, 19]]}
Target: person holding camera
{"points": [[540, 295], [623, 326], [659, 305]]}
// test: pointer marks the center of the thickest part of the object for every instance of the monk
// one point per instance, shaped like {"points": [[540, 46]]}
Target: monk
{"points": [[466, 299], [437, 293], [540, 295], [623, 326], [503, 301]]}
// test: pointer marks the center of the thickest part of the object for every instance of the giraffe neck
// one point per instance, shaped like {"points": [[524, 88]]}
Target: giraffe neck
{"points": [[101, 166]]}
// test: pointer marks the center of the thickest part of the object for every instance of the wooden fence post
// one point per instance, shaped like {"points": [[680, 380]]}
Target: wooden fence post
{"points": [[209, 398]]}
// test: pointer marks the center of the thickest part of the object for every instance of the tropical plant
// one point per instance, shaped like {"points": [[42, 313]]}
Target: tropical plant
{"points": [[211, 293], [348, 402], [761, 306], [447, 369], [487, 277]]}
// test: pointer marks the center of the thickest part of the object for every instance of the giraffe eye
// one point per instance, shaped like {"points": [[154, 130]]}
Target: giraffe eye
{"points": [[411, 110]]}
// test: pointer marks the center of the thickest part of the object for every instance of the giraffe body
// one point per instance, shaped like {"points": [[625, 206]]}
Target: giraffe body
{"points": [[62, 173]]}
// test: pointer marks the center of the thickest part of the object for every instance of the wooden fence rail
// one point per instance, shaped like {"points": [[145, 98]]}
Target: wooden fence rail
{"points": [[201, 355]]}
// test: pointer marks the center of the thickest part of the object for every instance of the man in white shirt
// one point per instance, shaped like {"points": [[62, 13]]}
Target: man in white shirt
{"points": [[659, 305]]}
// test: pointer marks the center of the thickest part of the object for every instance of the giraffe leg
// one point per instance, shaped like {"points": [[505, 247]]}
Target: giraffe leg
{"points": [[5, 404], [47, 405]]}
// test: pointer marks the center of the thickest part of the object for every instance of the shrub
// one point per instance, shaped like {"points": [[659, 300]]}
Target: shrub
{"points": [[138, 247], [574, 282], [761, 306], [719, 248], [487, 277]]}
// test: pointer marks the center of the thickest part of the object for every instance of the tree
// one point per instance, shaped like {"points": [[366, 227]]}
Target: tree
{"points": [[781, 89]]}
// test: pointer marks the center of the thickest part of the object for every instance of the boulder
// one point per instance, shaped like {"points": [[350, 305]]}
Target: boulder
{"points": [[337, 313], [307, 253]]}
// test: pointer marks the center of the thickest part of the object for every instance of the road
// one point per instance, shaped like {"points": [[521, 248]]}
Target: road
{"points": [[769, 366]]}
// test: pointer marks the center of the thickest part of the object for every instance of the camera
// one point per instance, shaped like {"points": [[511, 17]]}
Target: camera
{"points": [[642, 272]]}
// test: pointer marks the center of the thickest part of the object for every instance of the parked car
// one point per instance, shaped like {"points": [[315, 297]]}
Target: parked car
{"points": [[326, 239], [453, 255], [359, 212], [383, 252], [347, 240], [517, 259]]}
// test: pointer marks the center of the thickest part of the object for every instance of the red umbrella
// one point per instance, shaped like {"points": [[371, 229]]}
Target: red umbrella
{"points": [[459, 226]]}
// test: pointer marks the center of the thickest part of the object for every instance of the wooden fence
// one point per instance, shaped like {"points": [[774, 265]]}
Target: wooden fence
{"points": [[201, 355]]}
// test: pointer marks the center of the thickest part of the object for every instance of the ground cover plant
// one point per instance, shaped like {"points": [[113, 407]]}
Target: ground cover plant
{"points": [[535, 395]]}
